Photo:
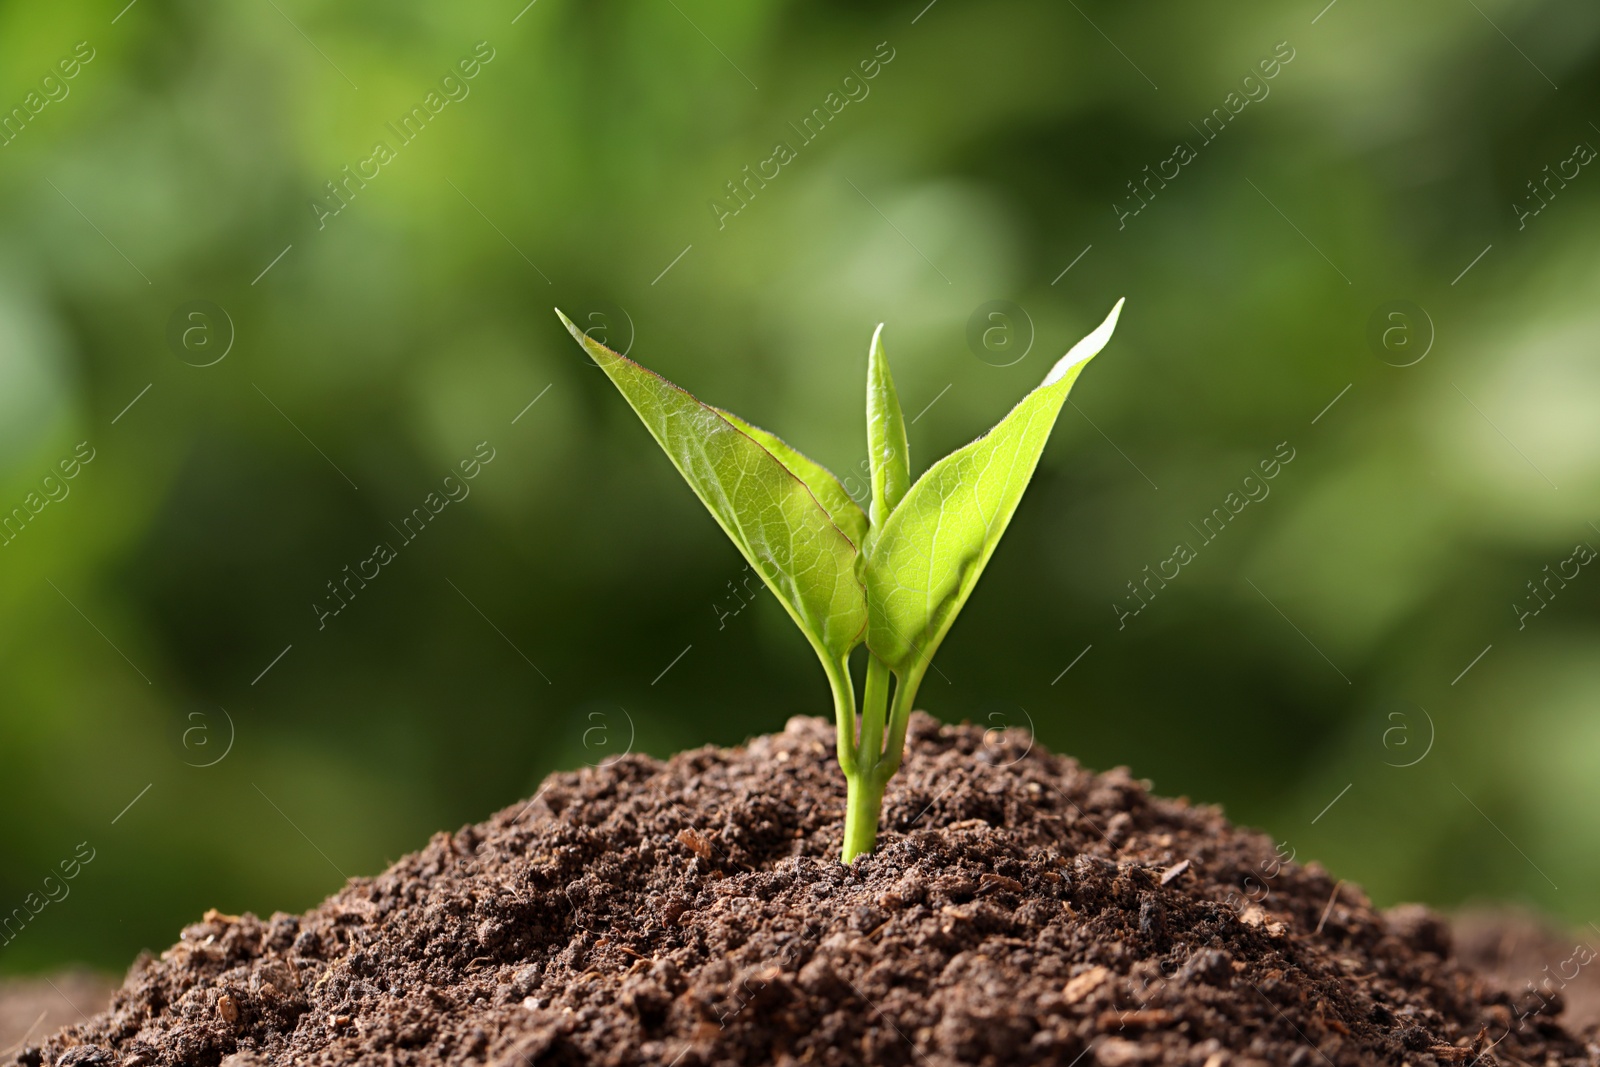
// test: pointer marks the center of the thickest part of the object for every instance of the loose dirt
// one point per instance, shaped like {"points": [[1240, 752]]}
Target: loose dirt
{"points": [[1018, 910]]}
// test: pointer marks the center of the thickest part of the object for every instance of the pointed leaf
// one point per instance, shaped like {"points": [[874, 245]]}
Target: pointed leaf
{"points": [[886, 435], [845, 512], [776, 522], [930, 552]]}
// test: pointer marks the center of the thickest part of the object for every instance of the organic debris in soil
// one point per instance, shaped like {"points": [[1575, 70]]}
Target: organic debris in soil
{"points": [[1018, 909]]}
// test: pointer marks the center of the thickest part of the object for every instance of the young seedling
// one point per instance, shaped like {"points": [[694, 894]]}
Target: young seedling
{"points": [[892, 577]]}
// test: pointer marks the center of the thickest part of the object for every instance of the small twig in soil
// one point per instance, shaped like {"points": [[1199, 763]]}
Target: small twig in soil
{"points": [[1329, 909], [619, 946]]}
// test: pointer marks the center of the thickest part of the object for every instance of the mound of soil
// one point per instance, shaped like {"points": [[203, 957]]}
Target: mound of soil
{"points": [[1018, 909]]}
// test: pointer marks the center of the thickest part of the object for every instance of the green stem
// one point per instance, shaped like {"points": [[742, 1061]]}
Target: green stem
{"points": [[874, 713], [844, 714], [865, 780], [899, 717], [865, 802]]}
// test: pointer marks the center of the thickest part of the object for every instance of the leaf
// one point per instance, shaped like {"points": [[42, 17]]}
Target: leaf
{"points": [[886, 435], [767, 511], [845, 512], [929, 554]]}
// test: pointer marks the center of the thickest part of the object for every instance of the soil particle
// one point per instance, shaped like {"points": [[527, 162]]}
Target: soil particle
{"points": [[692, 913]]}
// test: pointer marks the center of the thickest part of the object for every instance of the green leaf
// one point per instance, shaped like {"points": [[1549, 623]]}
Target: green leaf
{"points": [[924, 563], [845, 512], [886, 435], [768, 512]]}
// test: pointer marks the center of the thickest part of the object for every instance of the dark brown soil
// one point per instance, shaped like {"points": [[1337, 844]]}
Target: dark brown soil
{"points": [[1018, 910]]}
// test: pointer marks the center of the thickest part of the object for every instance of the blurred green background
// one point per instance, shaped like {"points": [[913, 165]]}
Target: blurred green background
{"points": [[162, 609]]}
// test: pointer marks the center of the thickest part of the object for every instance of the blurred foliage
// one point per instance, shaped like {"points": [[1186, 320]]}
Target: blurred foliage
{"points": [[528, 627]]}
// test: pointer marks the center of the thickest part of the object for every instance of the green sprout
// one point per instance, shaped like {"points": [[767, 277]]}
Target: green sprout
{"points": [[892, 577]]}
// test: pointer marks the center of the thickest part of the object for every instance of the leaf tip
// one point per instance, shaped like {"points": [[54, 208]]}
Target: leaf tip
{"points": [[572, 328], [1087, 348], [594, 348]]}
